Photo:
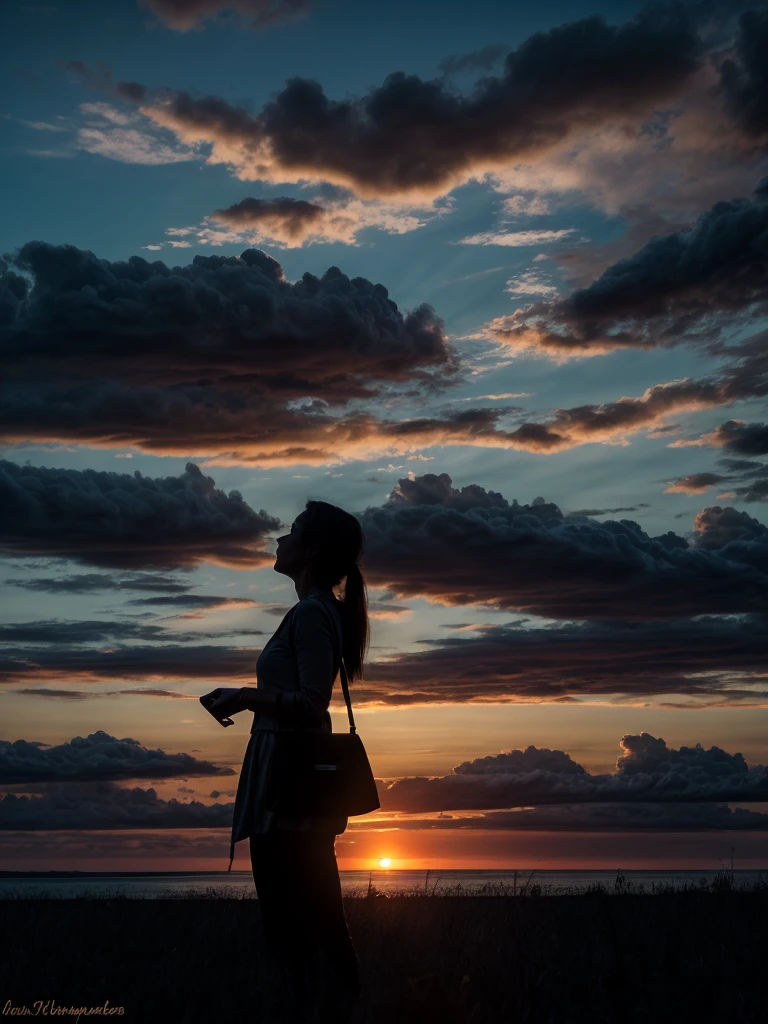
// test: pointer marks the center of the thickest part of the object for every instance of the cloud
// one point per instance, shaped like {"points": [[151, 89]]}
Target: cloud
{"points": [[681, 286], [96, 757], [473, 547], [128, 520], [712, 660], [414, 136], [187, 662], [648, 771], [608, 511], [739, 437], [727, 529], [756, 490], [594, 818], [517, 238], [290, 222], [743, 376], [186, 15], [222, 357], [104, 805], [433, 489], [653, 787], [709, 660], [52, 694], [128, 138], [695, 483], [92, 582], [163, 395], [291, 218], [743, 79], [81, 631], [191, 605], [530, 282]]}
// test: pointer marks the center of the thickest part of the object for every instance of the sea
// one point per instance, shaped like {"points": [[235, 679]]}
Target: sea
{"points": [[239, 884]]}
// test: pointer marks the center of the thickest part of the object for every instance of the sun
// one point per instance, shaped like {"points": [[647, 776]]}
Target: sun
{"points": [[384, 862]]}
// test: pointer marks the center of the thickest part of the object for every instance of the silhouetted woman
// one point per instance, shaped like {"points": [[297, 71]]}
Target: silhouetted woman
{"points": [[294, 858]]}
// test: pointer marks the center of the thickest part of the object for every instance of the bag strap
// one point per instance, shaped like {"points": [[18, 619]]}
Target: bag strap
{"points": [[345, 688], [344, 681]]}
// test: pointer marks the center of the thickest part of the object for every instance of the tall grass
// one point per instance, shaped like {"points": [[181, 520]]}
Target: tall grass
{"points": [[613, 953]]}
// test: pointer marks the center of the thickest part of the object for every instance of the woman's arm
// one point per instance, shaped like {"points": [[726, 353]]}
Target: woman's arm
{"points": [[261, 701]]}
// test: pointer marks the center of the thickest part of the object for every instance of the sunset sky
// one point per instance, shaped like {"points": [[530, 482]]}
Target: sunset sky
{"points": [[492, 277]]}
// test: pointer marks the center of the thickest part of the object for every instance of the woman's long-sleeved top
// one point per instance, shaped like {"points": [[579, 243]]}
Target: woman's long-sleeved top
{"points": [[301, 660]]}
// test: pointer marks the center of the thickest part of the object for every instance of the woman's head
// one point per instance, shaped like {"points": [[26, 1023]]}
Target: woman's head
{"points": [[327, 543]]}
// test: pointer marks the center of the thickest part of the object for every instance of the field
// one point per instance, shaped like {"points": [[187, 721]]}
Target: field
{"points": [[603, 956]]}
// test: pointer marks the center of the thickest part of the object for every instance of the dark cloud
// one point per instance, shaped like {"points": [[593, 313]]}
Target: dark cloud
{"points": [[695, 483], [411, 135], [596, 818], [104, 805], [679, 286], [653, 787], [69, 632], [282, 218], [531, 558], [513, 762], [739, 437], [264, 394], [186, 662], [756, 490], [183, 15], [229, 321], [430, 489], [648, 771], [743, 77], [129, 520], [608, 511], [194, 602], [51, 694], [96, 757], [711, 660], [207, 358], [727, 529], [82, 631], [88, 583]]}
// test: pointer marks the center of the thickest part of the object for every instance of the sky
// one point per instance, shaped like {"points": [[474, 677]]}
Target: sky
{"points": [[493, 279]]}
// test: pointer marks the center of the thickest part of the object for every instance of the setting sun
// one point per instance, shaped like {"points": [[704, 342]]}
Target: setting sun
{"points": [[385, 862]]}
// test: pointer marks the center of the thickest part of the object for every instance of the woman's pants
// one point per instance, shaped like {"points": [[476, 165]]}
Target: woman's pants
{"points": [[299, 893]]}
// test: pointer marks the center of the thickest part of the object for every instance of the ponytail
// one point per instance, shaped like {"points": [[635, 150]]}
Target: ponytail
{"points": [[356, 626]]}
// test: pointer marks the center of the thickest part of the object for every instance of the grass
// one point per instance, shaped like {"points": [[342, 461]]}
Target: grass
{"points": [[610, 954]]}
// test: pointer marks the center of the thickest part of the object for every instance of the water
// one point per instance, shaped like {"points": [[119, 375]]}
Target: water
{"points": [[239, 884]]}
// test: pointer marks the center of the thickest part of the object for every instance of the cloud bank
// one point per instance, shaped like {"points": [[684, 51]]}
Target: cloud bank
{"points": [[411, 136], [680, 286], [96, 757], [123, 520], [473, 547], [647, 771]]}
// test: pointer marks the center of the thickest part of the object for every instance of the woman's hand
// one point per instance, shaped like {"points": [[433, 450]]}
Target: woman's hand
{"points": [[223, 702]]}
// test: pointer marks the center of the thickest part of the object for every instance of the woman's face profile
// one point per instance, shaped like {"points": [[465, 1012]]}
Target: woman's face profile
{"points": [[291, 554]]}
